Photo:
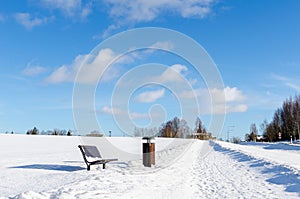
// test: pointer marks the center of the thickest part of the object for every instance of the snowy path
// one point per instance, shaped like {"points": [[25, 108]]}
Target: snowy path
{"points": [[204, 170], [230, 174]]}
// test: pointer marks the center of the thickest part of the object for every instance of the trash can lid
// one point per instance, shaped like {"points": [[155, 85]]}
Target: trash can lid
{"points": [[148, 138]]}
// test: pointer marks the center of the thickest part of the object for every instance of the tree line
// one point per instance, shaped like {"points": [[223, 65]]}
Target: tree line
{"points": [[176, 128], [35, 131], [60, 132], [284, 124]]}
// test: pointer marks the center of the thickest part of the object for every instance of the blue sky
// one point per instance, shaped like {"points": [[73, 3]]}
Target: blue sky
{"points": [[255, 45]]}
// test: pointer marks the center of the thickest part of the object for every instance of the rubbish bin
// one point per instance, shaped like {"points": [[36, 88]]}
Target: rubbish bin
{"points": [[148, 151]]}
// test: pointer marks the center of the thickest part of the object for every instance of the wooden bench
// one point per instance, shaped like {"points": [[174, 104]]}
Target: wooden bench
{"points": [[92, 156]]}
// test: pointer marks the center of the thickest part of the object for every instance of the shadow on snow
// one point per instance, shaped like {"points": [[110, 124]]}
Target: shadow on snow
{"points": [[280, 174], [53, 167], [274, 146]]}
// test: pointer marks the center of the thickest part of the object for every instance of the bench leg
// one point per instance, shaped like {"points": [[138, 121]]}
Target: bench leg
{"points": [[104, 166]]}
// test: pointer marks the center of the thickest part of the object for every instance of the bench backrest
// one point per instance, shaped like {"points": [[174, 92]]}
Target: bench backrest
{"points": [[89, 151]]}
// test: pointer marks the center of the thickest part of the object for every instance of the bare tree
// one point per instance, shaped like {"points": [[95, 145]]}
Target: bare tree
{"points": [[175, 128], [253, 132]]}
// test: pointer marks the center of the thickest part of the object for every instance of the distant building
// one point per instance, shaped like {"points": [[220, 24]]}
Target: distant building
{"points": [[260, 138], [203, 136]]}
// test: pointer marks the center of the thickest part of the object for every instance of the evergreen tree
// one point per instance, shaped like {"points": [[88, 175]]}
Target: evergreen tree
{"points": [[286, 121], [33, 131], [69, 133]]}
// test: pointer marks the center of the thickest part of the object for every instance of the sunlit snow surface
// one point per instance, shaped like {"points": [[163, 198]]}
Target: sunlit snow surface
{"points": [[52, 167]]}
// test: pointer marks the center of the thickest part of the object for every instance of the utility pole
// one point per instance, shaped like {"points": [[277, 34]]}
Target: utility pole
{"points": [[229, 130], [298, 124], [298, 132], [227, 135]]}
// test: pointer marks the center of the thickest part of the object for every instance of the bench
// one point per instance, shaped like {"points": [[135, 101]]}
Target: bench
{"points": [[92, 156]]}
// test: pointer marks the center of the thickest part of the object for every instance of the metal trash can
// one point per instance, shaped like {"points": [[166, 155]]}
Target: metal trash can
{"points": [[148, 151]]}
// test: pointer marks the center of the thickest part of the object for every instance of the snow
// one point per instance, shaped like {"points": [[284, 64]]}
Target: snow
{"points": [[52, 167], [278, 153]]}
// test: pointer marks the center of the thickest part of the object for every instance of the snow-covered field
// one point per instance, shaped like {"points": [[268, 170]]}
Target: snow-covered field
{"points": [[52, 167]]}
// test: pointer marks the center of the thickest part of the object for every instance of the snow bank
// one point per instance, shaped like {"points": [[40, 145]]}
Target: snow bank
{"points": [[278, 153]]}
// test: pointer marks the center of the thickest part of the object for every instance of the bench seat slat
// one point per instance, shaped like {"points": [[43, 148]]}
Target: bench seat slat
{"points": [[93, 152]]}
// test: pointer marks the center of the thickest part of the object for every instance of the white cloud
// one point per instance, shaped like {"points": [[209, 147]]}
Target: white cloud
{"points": [[233, 94], [34, 70], [69, 7], [163, 45], [187, 94], [234, 99], [279, 77], [150, 96], [90, 72], [135, 115], [173, 73], [129, 12], [237, 108], [160, 45], [62, 74], [30, 22], [289, 82], [144, 10], [114, 111], [107, 32], [2, 18], [66, 73], [86, 11], [293, 86], [111, 111]]}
